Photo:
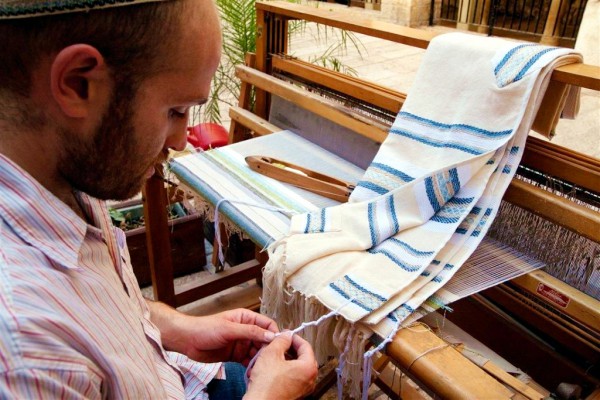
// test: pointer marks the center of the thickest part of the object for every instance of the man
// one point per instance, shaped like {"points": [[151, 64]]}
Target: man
{"points": [[89, 102]]}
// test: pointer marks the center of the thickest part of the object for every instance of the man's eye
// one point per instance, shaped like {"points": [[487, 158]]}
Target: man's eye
{"points": [[175, 113]]}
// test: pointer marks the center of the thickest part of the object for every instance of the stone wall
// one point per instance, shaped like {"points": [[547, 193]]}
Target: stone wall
{"points": [[411, 13]]}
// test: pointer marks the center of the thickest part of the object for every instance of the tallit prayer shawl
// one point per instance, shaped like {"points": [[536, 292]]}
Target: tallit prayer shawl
{"points": [[425, 202]]}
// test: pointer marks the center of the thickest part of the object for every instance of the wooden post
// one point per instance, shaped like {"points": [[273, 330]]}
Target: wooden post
{"points": [[464, 16], [238, 132], [260, 104], [158, 239], [548, 35]]}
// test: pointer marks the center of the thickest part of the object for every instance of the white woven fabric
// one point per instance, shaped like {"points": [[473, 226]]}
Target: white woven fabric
{"points": [[430, 194]]}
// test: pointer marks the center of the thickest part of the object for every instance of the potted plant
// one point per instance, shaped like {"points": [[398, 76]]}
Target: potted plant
{"points": [[187, 238]]}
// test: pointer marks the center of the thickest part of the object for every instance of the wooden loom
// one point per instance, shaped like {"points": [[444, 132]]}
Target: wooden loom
{"points": [[446, 372]]}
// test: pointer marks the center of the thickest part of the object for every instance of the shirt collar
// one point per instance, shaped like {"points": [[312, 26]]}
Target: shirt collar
{"points": [[38, 217]]}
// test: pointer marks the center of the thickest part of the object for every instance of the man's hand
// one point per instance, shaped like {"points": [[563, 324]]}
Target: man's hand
{"points": [[234, 335], [278, 375]]}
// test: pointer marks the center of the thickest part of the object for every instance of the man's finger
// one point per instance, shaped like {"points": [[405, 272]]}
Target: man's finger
{"points": [[251, 333], [281, 343], [253, 318], [303, 349]]}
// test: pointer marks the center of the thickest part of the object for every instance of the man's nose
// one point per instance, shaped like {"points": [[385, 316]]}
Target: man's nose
{"points": [[177, 140]]}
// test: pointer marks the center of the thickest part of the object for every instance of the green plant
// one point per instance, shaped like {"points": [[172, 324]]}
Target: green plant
{"points": [[238, 20]]}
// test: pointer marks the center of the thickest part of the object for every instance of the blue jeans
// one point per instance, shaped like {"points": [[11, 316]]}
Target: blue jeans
{"points": [[233, 387]]}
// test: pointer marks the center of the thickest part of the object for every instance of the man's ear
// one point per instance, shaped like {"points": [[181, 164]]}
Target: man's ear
{"points": [[79, 80]]}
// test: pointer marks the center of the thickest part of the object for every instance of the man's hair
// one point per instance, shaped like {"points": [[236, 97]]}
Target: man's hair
{"points": [[132, 40]]}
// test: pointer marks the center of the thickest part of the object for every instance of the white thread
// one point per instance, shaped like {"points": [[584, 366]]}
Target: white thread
{"points": [[246, 203], [295, 331], [342, 363], [368, 361]]}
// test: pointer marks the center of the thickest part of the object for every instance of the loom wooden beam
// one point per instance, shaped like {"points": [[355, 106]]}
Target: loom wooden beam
{"points": [[559, 162], [218, 282], [371, 93], [583, 75], [236, 131], [251, 121], [382, 30], [503, 376], [442, 368], [579, 306], [314, 103]]}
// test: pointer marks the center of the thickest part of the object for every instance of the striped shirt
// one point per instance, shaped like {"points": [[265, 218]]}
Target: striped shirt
{"points": [[73, 322]]}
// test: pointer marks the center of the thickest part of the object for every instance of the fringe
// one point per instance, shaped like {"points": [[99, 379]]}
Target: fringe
{"points": [[333, 337]]}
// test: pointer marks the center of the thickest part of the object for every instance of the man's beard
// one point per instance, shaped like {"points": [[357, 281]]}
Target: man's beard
{"points": [[109, 166]]}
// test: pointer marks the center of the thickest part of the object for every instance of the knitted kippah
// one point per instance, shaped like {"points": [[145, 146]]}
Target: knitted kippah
{"points": [[11, 9]]}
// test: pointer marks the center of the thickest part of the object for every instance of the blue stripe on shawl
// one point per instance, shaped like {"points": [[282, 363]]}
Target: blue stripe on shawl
{"points": [[374, 297], [514, 150], [445, 219], [362, 289], [440, 181], [461, 201], [506, 169], [393, 212], [482, 222], [323, 220], [508, 55], [306, 229], [452, 210], [454, 179], [373, 187], [431, 142], [396, 260], [431, 194], [531, 62], [393, 171], [347, 297], [408, 308], [410, 249], [371, 212], [469, 128], [400, 313]]}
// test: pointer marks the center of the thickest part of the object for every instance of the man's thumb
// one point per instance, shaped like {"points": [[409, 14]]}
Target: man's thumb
{"points": [[282, 341]]}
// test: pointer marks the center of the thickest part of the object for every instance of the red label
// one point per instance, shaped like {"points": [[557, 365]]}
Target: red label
{"points": [[553, 295]]}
